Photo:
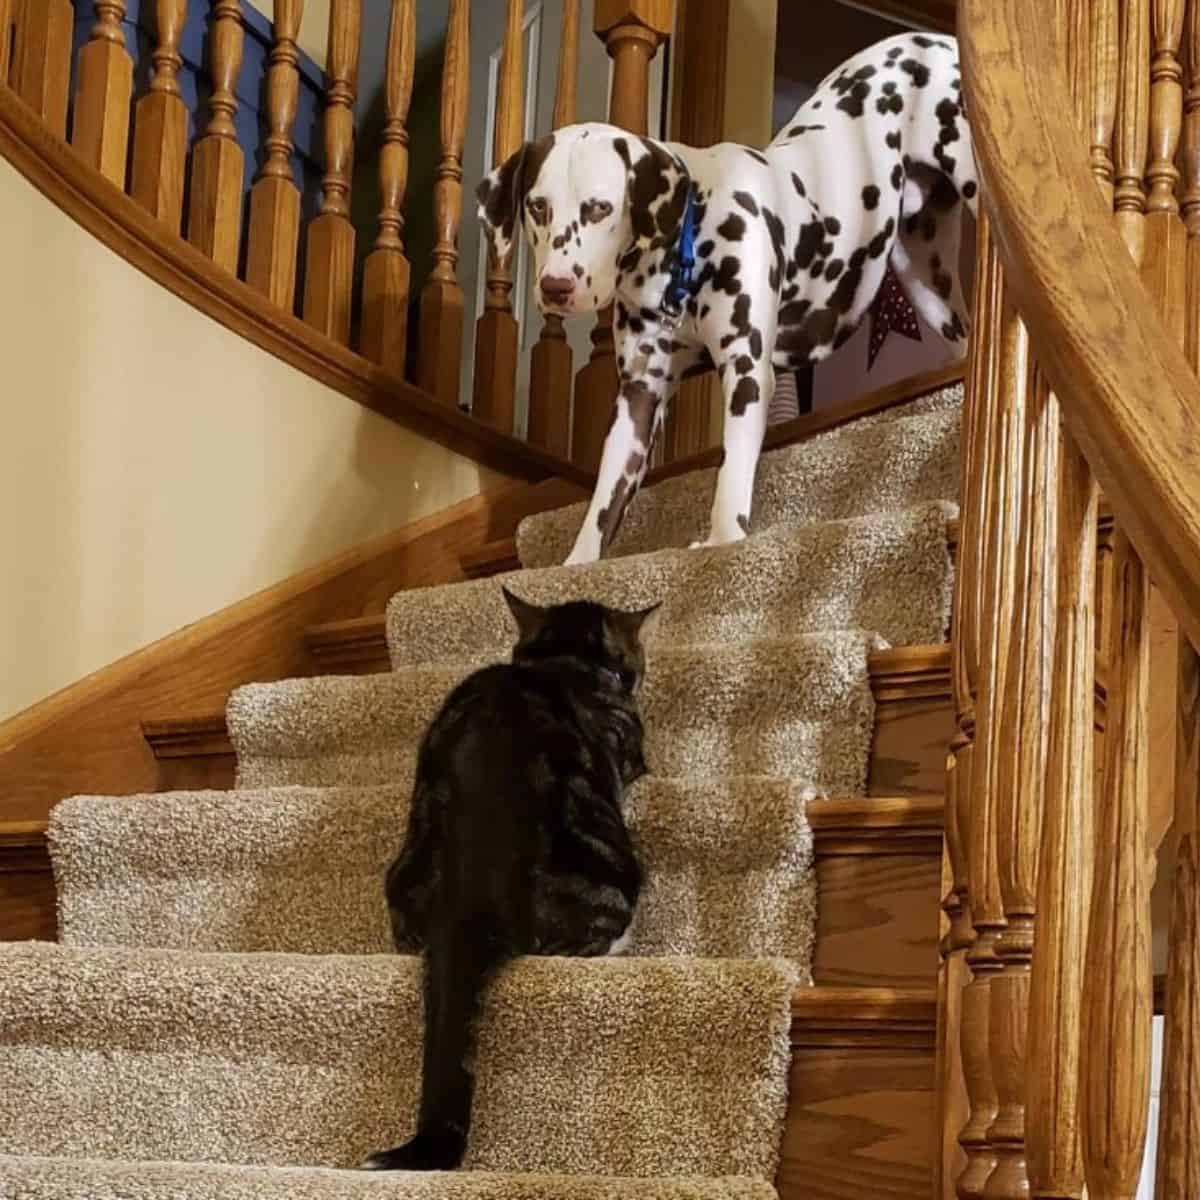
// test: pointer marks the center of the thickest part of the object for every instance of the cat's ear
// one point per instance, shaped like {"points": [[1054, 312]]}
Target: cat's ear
{"points": [[529, 617], [639, 625]]}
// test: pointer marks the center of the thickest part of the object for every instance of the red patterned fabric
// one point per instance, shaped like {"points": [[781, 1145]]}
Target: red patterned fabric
{"points": [[891, 312]]}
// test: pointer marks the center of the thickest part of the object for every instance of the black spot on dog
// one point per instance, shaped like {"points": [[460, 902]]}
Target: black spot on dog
{"points": [[776, 231], [969, 189], [747, 201], [812, 234], [870, 197], [953, 329], [705, 249], [725, 278], [756, 342], [733, 228], [889, 104], [798, 184], [892, 139], [743, 364], [577, 271], [743, 523], [797, 130], [704, 311], [833, 225], [894, 53], [919, 39], [834, 269], [754, 154], [918, 72], [744, 395], [943, 283], [897, 176]]}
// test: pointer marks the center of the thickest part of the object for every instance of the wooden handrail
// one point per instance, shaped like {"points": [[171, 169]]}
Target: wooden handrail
{"points": [[1127, 392]]}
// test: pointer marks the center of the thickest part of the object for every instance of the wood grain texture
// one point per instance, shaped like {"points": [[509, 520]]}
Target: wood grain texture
{"points": [[496, 334], [441, 331], [1118, 1000], [1131, 132], [6, 38], [1178, 1167], [160, 134], [103, 92], [128, 230], [27, 898], [191, 672], [218, 163], [40, 69], [329, 264], [1126, 389], [551, 363], [387, 272], [861, 1096], [273, 239], [922, 14]]}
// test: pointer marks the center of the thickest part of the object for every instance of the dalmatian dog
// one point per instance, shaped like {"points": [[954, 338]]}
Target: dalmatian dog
{"points": [[743, 260]]}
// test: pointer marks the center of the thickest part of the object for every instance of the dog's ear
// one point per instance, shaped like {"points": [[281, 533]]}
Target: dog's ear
{"points": [[502, 192], [658, 185]]}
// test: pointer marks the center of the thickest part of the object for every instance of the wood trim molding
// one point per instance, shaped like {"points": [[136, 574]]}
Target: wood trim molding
{"points": [[877, 825], [799, 429], [23, 847], [89, 736], [879, 1017], [127, 229]]}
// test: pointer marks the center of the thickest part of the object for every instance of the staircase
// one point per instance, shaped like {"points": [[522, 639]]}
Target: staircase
{"points": [[223, 1016]]}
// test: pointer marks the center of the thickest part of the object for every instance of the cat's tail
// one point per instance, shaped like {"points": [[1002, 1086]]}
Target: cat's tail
{"points": [[460, 955]]}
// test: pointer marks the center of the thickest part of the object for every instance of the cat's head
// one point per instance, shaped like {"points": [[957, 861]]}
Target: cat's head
{"points": [[608, 639]]}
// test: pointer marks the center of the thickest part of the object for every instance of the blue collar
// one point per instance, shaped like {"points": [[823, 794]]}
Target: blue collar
{"points": [[679, 288]]}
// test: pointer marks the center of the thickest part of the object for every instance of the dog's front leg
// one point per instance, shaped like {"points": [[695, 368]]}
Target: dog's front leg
{"points": [[641, 409], [747, 398]]}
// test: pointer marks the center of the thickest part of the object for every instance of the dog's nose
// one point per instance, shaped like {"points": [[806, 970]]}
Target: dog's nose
{"points": [[557, 289]]}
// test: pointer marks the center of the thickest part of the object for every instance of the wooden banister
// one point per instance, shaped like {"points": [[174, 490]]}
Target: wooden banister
{"points": [[274, 236], [218, 163], [551, 363], [442, 297], [6, 38], [161, 125], [496, 333], [329, 266], [103, 92], [1127, 393], [387, 273]]}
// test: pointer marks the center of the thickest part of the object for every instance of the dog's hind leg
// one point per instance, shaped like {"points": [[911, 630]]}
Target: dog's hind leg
{"points": [[925, 258]]}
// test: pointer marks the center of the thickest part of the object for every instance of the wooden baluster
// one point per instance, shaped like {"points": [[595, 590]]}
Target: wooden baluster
{"points": [[496, 333], [550, 364], [40, 65], [1022, 739], [632, 31], [1189, 156], [103, 92], [218, 164], [1118, 1001], [161, 125], [958, 1107], [6, 37], [996, 618], [1178, 1172], [329, 271], [1164, 267], [387, 272], [441, 331], [274, 237], [1052, 1102], [1132, 126]]}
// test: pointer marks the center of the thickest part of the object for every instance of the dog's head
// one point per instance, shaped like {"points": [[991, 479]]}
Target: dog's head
{"points": [[592, 200]]}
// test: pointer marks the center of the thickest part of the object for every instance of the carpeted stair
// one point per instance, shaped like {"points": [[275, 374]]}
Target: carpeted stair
{"points": [[223, 1017]]}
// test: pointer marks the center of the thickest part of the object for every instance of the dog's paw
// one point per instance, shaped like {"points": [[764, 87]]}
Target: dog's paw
{"points": [[718, 539], [426, 1152]]}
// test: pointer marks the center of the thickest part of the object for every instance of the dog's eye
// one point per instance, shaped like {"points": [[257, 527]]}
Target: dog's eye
{"points": [[537, 210], [596, 210]]}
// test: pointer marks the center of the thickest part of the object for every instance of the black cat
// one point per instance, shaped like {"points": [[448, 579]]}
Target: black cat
{"points": [[516, 843]]}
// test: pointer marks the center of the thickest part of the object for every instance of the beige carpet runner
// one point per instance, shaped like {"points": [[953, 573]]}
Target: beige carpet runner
{"points": [[223, 1018]]}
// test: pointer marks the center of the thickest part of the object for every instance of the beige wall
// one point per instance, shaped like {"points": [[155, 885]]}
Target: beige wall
{"points": [[155, 467], [750, 71], [314, 26]]}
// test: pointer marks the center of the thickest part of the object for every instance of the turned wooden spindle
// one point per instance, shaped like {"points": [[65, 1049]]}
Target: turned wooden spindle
{"points": [[441, 329], [1052, 1151], [1118, 1000], [494, 393], [40, 67], [6, 36], [1131, 136], [955, 1105], [1095, 82], [329, 267], [274, 233], [996, 615], [103, 91], [387, 274], [1189, 157], [160, 132], [218, 164], [1164, 268], [550, 365], [1177, 1176], [632, 31], [1022, 735]]}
